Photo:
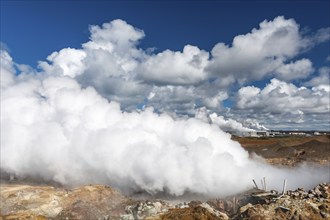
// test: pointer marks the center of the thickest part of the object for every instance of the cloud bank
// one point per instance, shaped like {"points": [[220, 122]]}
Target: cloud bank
{"points": [[181, 82]]}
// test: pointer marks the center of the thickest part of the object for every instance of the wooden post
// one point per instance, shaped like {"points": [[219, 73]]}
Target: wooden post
{"points": [[255, 184], [262, 185], [234, 204], [265, 183], [284, 187]]}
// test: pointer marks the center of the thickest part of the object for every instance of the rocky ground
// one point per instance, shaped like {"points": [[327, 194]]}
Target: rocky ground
{"points": [[101, 202], [289, 150], [31, 200]]}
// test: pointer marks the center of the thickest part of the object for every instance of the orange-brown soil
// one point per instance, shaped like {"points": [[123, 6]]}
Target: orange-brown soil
{"points": [[289, 150]]}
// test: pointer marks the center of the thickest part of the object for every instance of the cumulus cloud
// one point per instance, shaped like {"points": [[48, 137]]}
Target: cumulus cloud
{"points": [[113, 64], [258, 53], [112, 50], [106, 62], [67, 62], [265, 51], [170, 98], [7, 69], [295, 70], [322, 79], [4, 46], [179, 82], [170, 67], [115, 36], [53, 128], [300, 107], [184, 100], [279, 96]]}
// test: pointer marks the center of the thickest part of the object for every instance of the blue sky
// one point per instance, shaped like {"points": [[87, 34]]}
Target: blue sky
{"points": [[32, 30]]}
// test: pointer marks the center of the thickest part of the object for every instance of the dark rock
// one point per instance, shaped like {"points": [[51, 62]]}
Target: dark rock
{"points": [[324, 214], [283, 209]]}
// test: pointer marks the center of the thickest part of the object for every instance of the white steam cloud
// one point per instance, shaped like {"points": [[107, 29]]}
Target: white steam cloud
{"points": [[228, 125], [54, 129]]}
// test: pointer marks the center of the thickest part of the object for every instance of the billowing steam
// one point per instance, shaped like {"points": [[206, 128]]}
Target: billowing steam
{"points": [[228, 125], [54, 129]]}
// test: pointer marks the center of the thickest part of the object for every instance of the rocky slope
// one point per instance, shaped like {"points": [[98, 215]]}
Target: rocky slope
{"points": [[42, 202], [290, 150], [298, 204], [102, 202]]}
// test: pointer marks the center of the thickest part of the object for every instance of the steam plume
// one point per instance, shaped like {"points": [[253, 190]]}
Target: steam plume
{"points": [[54, 129]]}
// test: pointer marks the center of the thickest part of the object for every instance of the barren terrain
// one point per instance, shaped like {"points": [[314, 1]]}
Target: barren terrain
{"points": [[289, 150]]}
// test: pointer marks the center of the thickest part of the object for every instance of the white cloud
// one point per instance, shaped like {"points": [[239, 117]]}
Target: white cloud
{"points": [[115, 36], [67, 62], [322, 35], [247, 97], [178, 99], [295, 70], [256, 54], [328, 58], [170, 67], [322, 79], [215, 101], [182, 81], [106, 62], [280, 97], [4, 47], [6, 68], [265, 52]]}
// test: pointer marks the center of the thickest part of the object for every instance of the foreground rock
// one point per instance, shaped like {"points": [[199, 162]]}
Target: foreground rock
{"points": [[101, 202], [42, 202], [298, 204], [167, 211]]}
